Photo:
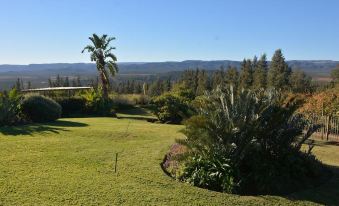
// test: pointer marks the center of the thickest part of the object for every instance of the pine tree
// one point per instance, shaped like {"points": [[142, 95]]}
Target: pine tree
{"points": [[260, 73], [202, 82], [246, 75], [188, 79], [299, 81], [50, 82], [58, 81], [66, 82], [279, 72], [232, 77], [18, 85], [78, 81], [218, 78], [29, 85], [74, 83]]}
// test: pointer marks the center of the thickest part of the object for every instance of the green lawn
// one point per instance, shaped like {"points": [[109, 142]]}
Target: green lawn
{"points": [[71, 162]]}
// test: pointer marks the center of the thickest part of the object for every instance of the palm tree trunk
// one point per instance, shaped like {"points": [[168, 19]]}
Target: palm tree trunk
{"points": [[104, 84]]}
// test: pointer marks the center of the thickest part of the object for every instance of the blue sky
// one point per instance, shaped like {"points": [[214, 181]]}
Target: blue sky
{"points": [[48, 31]]}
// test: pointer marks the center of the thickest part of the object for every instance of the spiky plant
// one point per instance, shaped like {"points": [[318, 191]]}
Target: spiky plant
{"points": [[246, 143], [100, 52]]}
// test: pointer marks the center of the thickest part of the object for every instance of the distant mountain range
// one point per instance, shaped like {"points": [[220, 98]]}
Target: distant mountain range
{"points": [[41, 72], [309, 66]]}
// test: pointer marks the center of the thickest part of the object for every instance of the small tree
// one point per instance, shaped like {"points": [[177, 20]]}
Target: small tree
{"points": [[104, 59]]}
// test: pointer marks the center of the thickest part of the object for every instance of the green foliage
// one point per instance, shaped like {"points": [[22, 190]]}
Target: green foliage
{"points": [[57, 156], [279, 71], [195, 80], [232, 77], [246, 74], [171, 107], [260, 73], [100, 52], [210, 172], [256, 135], [10, 110], [300, 82], [96, 104], [39, 108], [73, 105]]}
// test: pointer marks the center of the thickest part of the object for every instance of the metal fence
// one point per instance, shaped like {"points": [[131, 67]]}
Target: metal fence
{"points": [[329, 129]]}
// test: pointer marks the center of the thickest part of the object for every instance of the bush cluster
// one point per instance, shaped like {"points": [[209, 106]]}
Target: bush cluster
{"points": [[10, 110], [72, 106], [170, 108], [39, 108], [248, 143]]}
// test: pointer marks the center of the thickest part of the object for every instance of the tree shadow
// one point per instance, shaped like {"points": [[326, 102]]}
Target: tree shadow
{"points": [[30, 129], [134, 111], [326, 193], [325, 143]]}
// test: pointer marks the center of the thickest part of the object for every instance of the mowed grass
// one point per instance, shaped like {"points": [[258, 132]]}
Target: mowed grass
{"points": [[71, 162]]}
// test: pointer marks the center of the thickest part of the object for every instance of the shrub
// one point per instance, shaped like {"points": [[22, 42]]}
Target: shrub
{"points": [[248, 143], [325, 102], [73, 106], [39, 108], [170, 108], [97, 105], [10, 108]]}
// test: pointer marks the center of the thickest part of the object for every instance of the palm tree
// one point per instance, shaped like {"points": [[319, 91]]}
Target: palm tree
{"points": [[104, 59]]}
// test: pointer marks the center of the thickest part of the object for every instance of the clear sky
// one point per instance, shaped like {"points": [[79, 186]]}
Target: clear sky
{"points": [[49, 31]]}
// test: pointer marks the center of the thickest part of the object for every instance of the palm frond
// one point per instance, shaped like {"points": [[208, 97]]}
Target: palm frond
{"points": [[89, 48], [112, 56], [108, 41], [112, 67]]}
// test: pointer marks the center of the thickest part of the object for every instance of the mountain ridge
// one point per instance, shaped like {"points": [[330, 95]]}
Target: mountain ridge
{"points": [[309, 66]]}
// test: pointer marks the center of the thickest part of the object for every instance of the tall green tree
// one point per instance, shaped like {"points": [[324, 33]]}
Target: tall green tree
{"points": [[299, 81], [246, 74], [232, 77], [105, 60], [218, 78], [202, 84], [260, 73], [279, 72]]}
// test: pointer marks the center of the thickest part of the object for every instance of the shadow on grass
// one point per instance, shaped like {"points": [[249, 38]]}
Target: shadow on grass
{"points": [[326, 193], [325, 143], [137, 113], [134, 111], [53, 127]]}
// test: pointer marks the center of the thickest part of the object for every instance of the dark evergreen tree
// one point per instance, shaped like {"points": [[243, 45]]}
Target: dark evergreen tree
{"points": [[299, 81], [66, 82], [232, 77], [202, 83], [29, 85], [18, 84], [279, 72], [246, 75], [218, 78], [50, 82], [79, 82], [260, 73]]}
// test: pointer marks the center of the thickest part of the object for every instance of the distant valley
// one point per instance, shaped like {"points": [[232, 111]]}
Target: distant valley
{"points": [[38, 74]]}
